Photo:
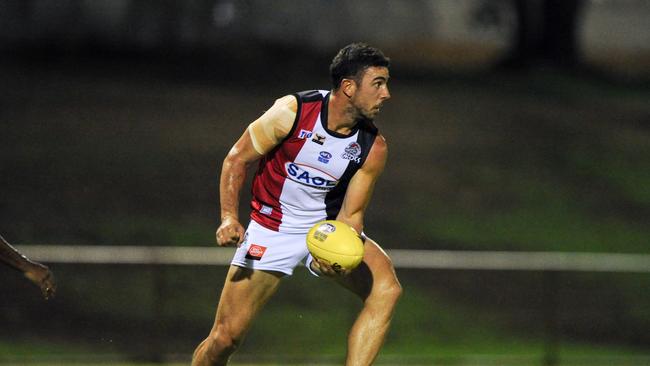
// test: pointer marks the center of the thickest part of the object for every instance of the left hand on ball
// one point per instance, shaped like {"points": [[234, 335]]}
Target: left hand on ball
{"points": [[326, 269]]}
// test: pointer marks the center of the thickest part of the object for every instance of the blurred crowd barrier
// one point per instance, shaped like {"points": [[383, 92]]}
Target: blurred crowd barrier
{"points": [[421, 33]]}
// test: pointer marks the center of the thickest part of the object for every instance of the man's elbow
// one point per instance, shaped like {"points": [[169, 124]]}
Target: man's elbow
{"points": [[355, 221], [235, 160]]}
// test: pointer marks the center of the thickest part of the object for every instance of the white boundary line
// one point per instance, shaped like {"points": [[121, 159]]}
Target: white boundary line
{"points": [[402, 258]]}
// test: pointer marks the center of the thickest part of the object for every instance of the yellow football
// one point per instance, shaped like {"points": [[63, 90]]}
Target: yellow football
{"points": [[336, 243]]}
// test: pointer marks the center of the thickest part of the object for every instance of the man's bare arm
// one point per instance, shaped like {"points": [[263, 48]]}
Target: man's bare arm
{"points": [[261, 137], [362, 184], [233, 176], [357, 198]]}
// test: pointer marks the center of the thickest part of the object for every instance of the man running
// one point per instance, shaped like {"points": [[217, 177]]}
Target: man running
{"points": [[319, 155]]}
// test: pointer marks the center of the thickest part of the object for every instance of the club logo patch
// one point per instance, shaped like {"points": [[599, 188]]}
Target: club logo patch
{"points": [[352, 152], [255, 252], [324, 157]]}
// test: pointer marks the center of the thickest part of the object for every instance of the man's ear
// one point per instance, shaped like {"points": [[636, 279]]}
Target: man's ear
{"points": [[348, 87]]}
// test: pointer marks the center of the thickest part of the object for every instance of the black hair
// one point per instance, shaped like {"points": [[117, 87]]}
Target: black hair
{"points": [[352, 60]]}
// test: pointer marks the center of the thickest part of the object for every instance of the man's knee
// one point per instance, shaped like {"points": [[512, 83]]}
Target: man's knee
{"points": [[222, 342], [387, 293], [393, 290], [385, 285]]}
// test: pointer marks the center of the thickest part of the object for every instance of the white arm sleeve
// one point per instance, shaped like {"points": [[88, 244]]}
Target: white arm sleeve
{"points": [[274, 125]]}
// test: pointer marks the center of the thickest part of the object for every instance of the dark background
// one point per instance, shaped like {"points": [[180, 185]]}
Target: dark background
{"points": [[514, 125]]}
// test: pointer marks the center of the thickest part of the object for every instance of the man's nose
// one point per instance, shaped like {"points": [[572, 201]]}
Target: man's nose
{"points": [[386, 94]]}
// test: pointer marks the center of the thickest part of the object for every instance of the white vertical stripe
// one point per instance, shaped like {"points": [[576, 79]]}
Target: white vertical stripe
{"points": [[303, 205]]}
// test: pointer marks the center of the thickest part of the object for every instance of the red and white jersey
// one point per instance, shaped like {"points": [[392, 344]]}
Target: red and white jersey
{"points": [[304, 179]]}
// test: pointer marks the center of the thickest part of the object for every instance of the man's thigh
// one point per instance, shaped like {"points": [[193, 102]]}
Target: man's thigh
{"points": [[244, 294]]}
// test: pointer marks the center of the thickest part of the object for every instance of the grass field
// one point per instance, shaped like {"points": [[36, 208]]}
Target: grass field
{"points": [[470, 361], [511, 353]]}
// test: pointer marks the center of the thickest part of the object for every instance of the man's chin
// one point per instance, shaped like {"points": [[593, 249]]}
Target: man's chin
{"points": [[370, 115], [367, 114]]}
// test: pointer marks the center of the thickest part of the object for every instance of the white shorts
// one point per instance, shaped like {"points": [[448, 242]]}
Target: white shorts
{"points": [[269, 250]]}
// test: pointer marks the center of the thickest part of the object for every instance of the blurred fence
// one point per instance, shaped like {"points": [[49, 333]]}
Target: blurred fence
{"points": [[402, 258], [155, 304]]}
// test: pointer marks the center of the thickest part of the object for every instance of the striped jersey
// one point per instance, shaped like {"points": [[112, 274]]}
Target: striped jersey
{"points": [[304, 179]]}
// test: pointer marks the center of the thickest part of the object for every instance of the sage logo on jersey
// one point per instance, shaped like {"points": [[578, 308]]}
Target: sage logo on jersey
{"points": [[352, 152], [310, 176], [304, 134], [324, 157]]}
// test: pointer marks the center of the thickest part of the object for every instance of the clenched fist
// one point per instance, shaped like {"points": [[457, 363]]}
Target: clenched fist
{"points": [[230, 232]]}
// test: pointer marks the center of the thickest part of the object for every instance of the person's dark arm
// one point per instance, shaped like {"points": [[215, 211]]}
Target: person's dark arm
{"points": [[36, 272]]}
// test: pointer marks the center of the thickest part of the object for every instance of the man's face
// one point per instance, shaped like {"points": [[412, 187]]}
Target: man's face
{"points": [[371, 92]]}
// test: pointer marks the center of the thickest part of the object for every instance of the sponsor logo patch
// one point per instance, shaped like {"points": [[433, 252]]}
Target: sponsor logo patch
{"points": [[319, 139], [304, 134], [255, 252], [266, 210], [324, 157], [310, 176]]}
